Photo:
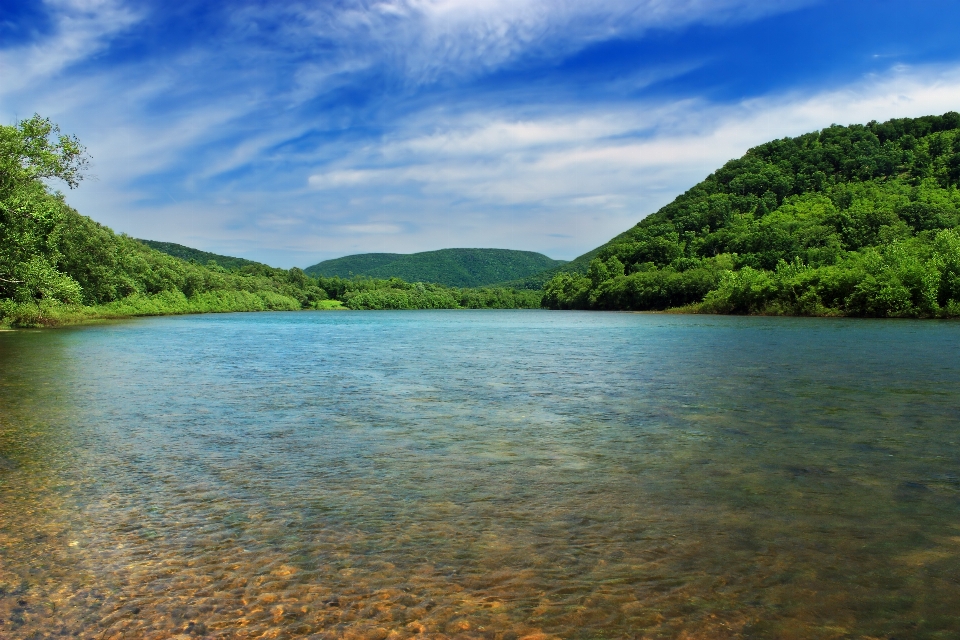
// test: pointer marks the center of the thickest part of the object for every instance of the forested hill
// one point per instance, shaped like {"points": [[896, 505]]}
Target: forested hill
{"points": [[450, 267], [58, 266], [859, 220], [360, 264], [196, 255]]}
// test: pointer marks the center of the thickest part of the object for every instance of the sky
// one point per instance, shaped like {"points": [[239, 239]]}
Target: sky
{"points": [[298, 131]]}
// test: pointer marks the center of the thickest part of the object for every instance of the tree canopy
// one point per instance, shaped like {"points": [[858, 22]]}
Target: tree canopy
{"points": [[57, 265], [858, 220], [862, 220], [451, 267]]}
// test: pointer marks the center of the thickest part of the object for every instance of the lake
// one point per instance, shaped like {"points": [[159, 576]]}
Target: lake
{"points": [[481, 474]]}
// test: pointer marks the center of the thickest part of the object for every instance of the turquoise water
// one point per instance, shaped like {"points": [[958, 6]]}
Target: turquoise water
{"points": [[487, 474]]}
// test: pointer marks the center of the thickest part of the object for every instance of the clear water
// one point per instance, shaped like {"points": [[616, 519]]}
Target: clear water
{"points": [[481, 475]]}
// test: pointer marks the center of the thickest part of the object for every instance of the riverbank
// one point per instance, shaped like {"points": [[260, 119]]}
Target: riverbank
{"points": [[54, 315], [358, 294], [47, 313]]}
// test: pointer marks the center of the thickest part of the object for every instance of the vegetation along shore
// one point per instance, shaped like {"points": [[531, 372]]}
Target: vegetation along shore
{"points": [[848, 221], [860, 220], [59, 267]]}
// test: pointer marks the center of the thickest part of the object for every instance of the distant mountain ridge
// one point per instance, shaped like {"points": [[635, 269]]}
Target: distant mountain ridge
{"points": [[450, 267], [359, 264], [198, 256]]}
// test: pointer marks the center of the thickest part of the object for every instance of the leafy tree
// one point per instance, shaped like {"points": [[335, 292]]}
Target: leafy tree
{"points": [[32, 151], [857, 220], [56, 264]]}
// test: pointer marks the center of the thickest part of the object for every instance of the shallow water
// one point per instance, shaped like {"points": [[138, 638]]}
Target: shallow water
{"points": [[481, 475]]}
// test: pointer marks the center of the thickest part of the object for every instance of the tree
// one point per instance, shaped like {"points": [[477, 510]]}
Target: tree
{"points": [[35, 150], [31, 217]]}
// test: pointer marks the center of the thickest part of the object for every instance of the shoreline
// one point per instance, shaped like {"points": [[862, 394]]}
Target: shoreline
{"points": [[79, 320]]}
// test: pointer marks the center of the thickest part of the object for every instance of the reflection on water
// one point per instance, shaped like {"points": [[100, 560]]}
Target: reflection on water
{"points": [[481, 475]]}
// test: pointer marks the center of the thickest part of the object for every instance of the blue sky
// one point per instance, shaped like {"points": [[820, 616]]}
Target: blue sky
{"points": [[292, 132]]}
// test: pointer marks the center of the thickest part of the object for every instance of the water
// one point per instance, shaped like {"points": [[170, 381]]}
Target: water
{"points": [[481, 475]]}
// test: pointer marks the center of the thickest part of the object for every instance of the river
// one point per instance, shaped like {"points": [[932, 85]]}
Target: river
{"points": [[481, 474]]}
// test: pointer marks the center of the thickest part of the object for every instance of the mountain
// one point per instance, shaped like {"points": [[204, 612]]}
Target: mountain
{"points": [[539, 280], [349, 266], [450, 267], [862, 220], [200, 257], [58, 266]]}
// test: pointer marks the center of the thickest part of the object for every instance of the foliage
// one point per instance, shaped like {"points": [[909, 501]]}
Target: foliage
{"points": [[35, 150], [30, 215], [57, 266], [450, 267], [361, 264], [195, 255], [394, 293], [859, 220]]}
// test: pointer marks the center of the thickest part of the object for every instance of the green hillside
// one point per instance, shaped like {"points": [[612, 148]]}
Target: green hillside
{"points": [[57, 266], [196, 255], [859, 220], [357, 265], [539, 280], [450, 267]]}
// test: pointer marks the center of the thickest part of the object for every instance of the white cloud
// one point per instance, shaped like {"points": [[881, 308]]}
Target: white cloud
{"points": [[623, 139], [336, 179], [539, 173], [615, 163], [363, 229], [81, 29], [429, 39]]}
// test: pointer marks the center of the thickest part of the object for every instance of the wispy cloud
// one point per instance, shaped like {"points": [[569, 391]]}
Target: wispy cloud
{"points": [[81, 28], [493, 157], [431, 39], [377, 229], [296, 131], [625, 161]]}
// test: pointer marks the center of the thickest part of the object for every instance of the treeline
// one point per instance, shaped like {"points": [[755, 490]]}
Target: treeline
{"points": [[450, 267], [859, 220], [394, 293], [58, 266], [195, 255]]}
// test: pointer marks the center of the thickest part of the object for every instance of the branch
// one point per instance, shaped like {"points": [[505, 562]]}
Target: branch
{"points": [[11, 281]]}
